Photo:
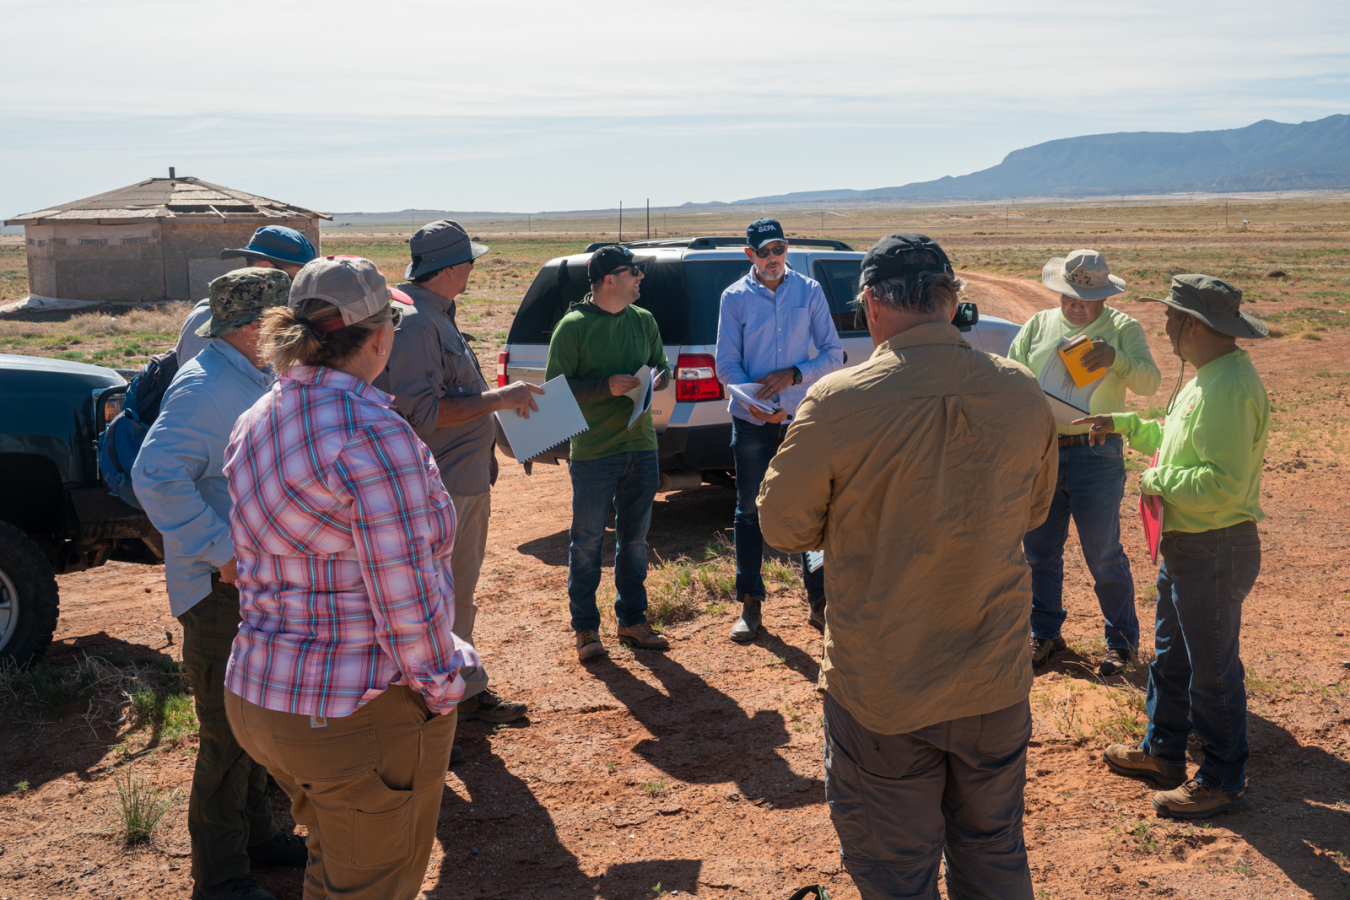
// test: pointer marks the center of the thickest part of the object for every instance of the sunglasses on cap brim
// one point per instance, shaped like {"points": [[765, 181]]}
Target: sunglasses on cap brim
{"points": [[777, 248]]}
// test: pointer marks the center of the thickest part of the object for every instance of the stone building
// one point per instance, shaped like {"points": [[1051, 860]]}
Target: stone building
{"points": [[156, 240]]}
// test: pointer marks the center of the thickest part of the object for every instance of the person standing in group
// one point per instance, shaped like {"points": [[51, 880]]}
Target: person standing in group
{"points": [[598, 345], [773, 329], [346, 669], [179, 480], [918, 472], [1091, 475], [439, 388], [271, 247], [1208, 476]]}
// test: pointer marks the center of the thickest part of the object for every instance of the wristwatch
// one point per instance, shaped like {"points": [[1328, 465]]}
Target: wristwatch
{"points": [[796, 375]]}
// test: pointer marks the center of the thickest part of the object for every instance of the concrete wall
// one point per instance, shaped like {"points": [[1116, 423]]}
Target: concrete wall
{"points": [[142, 261]]}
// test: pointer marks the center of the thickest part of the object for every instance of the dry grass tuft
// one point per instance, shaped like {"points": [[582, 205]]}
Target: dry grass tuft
{"points": [[167, 317]]}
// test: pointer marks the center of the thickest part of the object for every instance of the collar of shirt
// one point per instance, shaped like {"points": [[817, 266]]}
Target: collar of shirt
{"points": [[430, 297], [339, 381], [232, 355], [758, 287], [929, 333]]}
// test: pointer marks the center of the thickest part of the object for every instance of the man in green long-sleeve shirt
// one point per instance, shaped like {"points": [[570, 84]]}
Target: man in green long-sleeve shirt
{"points": [[1208, 475], [1091, 480], [598, 345]]}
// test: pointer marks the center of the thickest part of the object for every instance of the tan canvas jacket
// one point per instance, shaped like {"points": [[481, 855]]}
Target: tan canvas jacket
{"points": [[919, 472]]}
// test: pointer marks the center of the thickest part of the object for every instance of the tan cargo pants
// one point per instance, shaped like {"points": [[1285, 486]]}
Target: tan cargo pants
{"points": [[367, 787], [466, 563]]}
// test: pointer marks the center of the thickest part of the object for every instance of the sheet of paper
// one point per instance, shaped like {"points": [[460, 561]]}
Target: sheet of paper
{"points": [[640, 395], [558, 419], [1068, 401], [814, 560], [745, 393], [1151, 516]]}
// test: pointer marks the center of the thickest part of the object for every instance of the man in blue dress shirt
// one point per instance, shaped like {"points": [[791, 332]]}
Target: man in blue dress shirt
{"points": [[774, 330]]}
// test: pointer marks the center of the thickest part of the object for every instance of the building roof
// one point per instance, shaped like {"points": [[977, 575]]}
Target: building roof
{"points": [[168, 199]]}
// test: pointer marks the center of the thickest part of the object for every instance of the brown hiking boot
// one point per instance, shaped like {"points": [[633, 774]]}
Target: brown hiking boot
{"points": [[1195, 801], [589, 646], [486, 706], [1115, 661], [1043, 648], [643, 637], [1135, 763]]}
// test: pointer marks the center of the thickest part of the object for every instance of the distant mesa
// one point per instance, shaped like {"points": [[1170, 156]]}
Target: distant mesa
{"points": [[1266, 156]]}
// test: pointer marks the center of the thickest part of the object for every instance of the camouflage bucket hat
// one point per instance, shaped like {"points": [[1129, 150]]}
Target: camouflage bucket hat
{"points": [[1214, 302], [239, 297]]}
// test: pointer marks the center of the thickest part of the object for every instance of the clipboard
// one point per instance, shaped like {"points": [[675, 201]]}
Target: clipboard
{"points": [[1151, 516], [1068, 401]]}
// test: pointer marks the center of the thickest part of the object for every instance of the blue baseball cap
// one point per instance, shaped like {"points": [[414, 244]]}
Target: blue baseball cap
{"points": [[278, 244], [764, 231]]}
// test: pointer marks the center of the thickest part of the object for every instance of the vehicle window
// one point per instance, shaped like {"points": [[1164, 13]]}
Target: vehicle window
{"points": [[704, 282], [839, 277], [555, 288]]}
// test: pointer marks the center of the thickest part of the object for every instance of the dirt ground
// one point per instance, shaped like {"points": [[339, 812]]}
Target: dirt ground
{"points": [[698, 771]]}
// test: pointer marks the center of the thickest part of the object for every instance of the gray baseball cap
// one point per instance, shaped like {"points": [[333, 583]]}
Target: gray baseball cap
{"points": [[351, 283], [1214, 302], [440, 245]]}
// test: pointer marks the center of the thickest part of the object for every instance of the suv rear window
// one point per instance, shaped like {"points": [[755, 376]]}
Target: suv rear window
{"points": [[839, 278], [683, 297]]}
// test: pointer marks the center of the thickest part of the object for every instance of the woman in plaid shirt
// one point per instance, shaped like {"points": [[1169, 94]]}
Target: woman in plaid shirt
{"points": [[344, 678]]}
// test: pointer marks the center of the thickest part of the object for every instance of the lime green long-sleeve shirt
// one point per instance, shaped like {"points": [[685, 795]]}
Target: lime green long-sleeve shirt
{"points": [[1213, 447], [1134, 367]]}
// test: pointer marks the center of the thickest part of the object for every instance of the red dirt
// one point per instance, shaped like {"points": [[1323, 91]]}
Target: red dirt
{"points": [[700, 769]]}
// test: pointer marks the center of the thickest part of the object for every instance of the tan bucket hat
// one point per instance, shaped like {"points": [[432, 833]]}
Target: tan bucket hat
{"points": [[1083, 274]]}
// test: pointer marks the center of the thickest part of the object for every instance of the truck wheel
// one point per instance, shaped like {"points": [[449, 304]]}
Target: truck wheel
{"points": [[28, 599]]}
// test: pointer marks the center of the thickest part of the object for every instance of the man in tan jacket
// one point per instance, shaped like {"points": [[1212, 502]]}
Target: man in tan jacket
{"points": [[919, 472]]}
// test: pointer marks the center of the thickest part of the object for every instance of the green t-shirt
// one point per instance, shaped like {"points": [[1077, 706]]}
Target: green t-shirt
{"points": [[1212, 447], [590, 343], [1134, 367]]}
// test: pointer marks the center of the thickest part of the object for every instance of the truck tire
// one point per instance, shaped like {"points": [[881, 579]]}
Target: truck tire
{"points": [[28, 599]]}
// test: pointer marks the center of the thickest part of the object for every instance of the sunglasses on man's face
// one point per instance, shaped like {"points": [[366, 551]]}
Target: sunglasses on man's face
{"points": [[777, 248], [636, 269]]}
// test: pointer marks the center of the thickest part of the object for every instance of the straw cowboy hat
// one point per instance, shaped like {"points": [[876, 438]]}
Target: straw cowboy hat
{"points": [[1083, 274]]}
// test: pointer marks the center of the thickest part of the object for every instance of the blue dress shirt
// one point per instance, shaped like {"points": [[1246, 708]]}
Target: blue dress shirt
{"points": [[177, 475], [761, 331]]}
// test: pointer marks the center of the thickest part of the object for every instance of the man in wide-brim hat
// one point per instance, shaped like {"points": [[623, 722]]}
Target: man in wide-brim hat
{"points": [[1208, 475], [1091, 480]]}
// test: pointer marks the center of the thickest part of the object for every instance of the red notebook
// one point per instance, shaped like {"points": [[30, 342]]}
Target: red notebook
{"points": [[1151, 514]]}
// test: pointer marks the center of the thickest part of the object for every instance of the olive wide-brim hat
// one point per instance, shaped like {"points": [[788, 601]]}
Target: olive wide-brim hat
{"points": [[1083, 274], [1214, 302]]}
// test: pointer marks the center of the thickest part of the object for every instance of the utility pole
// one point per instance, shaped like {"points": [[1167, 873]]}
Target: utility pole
{"points": [[1225, 214], [529, 223], [620, 221], [822, 224], [649, 218]]}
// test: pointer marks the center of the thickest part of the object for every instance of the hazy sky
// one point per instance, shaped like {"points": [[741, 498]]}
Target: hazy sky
{"points": [[530, 106]]}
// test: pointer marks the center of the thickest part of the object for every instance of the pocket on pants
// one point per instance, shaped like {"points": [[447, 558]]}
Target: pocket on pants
{"points": [[381, 824], [1246, 566]]}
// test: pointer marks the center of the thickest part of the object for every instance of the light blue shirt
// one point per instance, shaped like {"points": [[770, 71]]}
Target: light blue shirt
{"points": [[761, 331], [177, 475], [189, 343]]}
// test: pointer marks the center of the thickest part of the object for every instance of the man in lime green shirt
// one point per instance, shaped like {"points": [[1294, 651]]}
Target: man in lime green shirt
{"points": [[598, 345], [1091, 480], [1208, 475]]}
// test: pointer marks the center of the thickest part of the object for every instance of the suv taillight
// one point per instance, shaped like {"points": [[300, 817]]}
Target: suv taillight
{"points": [[696, 378], [503, 357]]}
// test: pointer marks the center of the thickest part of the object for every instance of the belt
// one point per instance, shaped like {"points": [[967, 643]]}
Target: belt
{"points": [[1078, 440]]}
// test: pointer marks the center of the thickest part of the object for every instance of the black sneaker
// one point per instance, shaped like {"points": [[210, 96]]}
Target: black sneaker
{"points": [[241, 888], [488, 707], [284, 849], [1043, 648], [1115, 661]]}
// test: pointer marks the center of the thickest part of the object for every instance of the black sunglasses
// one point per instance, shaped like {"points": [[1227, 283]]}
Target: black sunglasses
{"points": [[635, 268], [777, 249], [396, 315]]}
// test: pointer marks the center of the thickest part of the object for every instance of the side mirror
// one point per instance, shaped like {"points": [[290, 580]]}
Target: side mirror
{"points": [[967, 316]]}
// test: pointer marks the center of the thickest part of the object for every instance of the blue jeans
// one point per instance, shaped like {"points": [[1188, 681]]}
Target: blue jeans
{"points": [[628, 481], [753, 446], [1197, 679], [1090, 486]]}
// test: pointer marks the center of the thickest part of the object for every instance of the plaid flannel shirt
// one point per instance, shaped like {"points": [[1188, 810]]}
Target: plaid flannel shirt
{"points": [[343, 532]]}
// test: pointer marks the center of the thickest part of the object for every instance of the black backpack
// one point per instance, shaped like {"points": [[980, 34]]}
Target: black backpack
{"points": [[121, 440]]}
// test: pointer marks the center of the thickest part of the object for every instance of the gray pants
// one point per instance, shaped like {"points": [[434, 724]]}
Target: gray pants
{"points": [[466, 562], [899, 800]]}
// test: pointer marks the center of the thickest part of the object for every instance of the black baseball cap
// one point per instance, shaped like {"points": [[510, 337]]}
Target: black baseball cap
{"points": [[903, 253], [606, 260], [763, 231]]}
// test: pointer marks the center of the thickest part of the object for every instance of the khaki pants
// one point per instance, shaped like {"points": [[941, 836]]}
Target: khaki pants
{"points": [[228, 809], [466, 563], [367, 787]]}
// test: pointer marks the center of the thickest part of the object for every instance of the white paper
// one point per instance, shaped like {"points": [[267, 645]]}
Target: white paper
{"points": [[1067, 400], [745, 393], [640, 395], [814, 560], [558, 419]]}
